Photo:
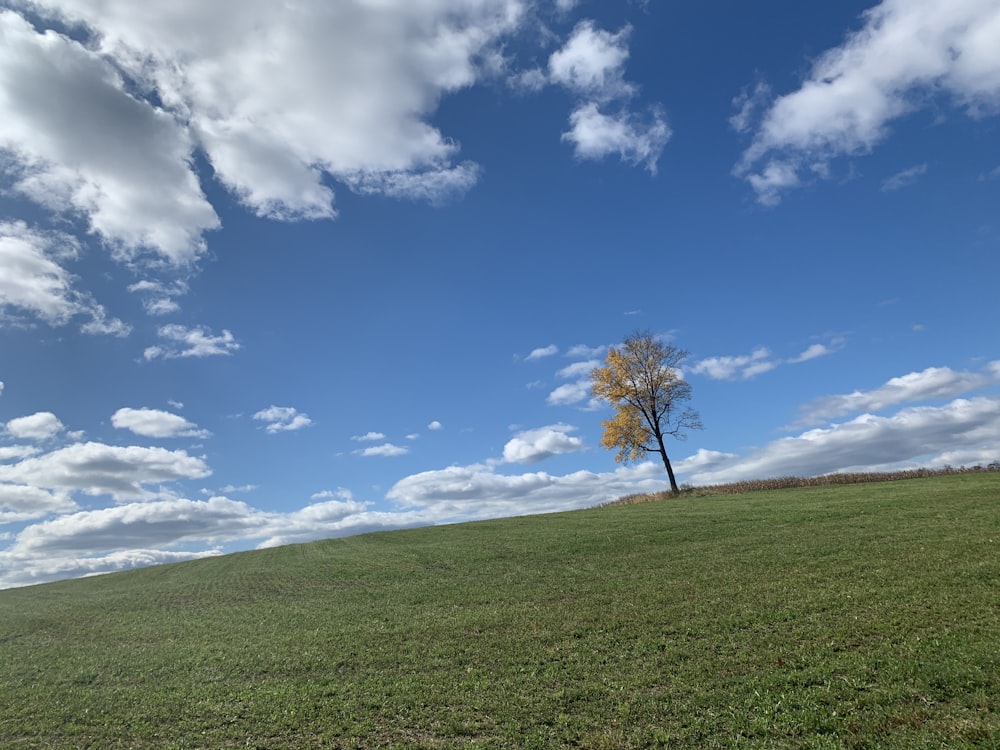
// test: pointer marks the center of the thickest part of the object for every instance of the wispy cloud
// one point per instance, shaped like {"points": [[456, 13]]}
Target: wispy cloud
{"points": [[760, 360], [742, 366], [542, 352], [386, 449], [931, 383], [903, 179], [911, 437], [368, 437]]}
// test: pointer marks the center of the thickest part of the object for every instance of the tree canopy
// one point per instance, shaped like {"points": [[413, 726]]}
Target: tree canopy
{"points": [[642, 382]]}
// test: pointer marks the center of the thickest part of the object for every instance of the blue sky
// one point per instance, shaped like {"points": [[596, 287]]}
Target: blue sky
{"points": [[270, 274]]}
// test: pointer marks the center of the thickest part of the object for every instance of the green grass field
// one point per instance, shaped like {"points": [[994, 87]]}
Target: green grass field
{"points": [[852, 616]]}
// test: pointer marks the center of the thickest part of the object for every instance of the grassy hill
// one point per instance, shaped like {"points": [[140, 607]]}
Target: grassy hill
{"points": [[846, 616]]}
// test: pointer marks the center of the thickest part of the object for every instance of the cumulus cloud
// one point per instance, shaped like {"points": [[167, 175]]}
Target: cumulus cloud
{"points": [[176, 529], [435, 425], [34, 280], [282, 418], [277, 97], [22, 502], [591, 64], [23, 568], [42, 425], [66, 146], [904, 56], [137, 525], [480, 491], [532, 446], [931, 383], [155, 423], [911, 437], [121, 472], [596, 134], [181, 341]]}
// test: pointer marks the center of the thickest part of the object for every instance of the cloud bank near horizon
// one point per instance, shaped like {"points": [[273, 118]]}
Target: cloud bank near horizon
{"points": [[150, 521]]}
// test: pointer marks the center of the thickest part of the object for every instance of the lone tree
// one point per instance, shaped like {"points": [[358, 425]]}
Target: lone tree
{"points": [[642, 383]]}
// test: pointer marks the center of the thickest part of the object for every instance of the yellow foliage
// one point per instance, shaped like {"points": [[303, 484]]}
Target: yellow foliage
{"points": [[628, 433], [642, 383]]}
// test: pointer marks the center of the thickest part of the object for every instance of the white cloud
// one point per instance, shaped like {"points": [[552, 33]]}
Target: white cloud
{"points": [[283, 418], [903, 179], [478, 491], [933, 382], [369, 436], [728, 367], [591, 64], [233, 488], [748, 104], [596, 134], [905, 54], [569, 393], [158, 296], [191, 342], [42, 425], [435, 425], [155, 423], [8, 452], [814, 351], [86, 146], [99, 469], [578, 369], [386, 449], [760, 360], [435, 187], [543, 351], [586, 352], [279, 97], [911, 437], [137, 525], [21, 502], [26, 568], [532, 446], [33, 280]]}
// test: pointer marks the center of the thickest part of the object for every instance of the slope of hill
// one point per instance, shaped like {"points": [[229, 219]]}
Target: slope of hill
{"points": [[825, 617]]}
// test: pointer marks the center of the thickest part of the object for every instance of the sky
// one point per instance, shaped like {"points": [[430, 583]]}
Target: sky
{"points": [[276, 272]]}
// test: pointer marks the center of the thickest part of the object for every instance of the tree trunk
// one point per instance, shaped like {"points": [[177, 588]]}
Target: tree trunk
{"points": [[674, 489]]}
